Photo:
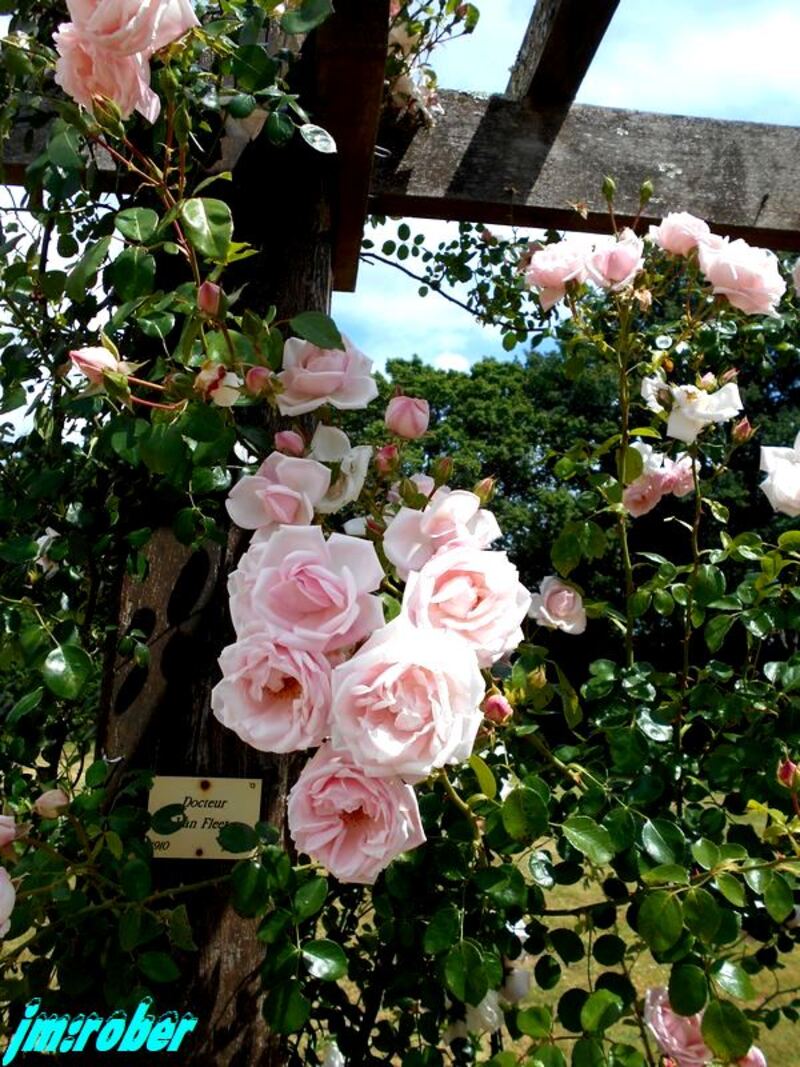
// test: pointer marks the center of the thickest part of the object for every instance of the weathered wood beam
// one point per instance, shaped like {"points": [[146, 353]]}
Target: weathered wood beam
{"points": [[559, 45], [494, 160]]}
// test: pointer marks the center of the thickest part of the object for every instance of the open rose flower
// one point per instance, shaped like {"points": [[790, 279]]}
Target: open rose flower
{"points": [[552, 267], [691, 408], [8, 830], [124, 27], [679, 232], [678, 1036], [408, 702], [284, 490], [413, 537], [749, 277], [275, 698], [314, 376], [330, 445], [782, 483], [352, 824], [558, 606], [316, 594], [86, 72], [476, 595], [660, 476], [94, 362], [8, 898], [616, 261]]}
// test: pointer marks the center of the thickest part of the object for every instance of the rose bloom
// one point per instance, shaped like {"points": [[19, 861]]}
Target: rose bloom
{"points": [[290, 442], [352, 824], [551, 267], [694, 409], [315, 593], [679, 232], [330, 445], [258, 381], [677, 1035], [8, 830], [643, 494], [124, 27], [51, 803], [95, 361], [487, 1016], [782, 484], [314, 376], [407, 703], [616, 261], [217, 384], [407, 416], [284, 490], [679, 475], [413, 537], [85, 72], [749, 277], [275, 698], [8, 898], [558, 606], [476, 595]]}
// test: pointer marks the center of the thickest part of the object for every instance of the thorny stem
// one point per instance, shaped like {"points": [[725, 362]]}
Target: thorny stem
{"points": [[624, 402], [460, 803]]}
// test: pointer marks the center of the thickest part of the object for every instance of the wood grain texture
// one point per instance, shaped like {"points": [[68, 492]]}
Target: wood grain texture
{"points": [[495, 160]]}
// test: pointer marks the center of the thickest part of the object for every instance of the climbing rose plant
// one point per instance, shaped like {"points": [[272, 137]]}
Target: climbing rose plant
{"points": [[484, 804]]}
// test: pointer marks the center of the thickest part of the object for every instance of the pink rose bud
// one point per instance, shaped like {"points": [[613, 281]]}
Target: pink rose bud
{"points": [[742, 431], [484, 490], [257, 381], [94, 362], [708, 381], [789, 775], [51, 803], [290, 443], [8, 830], [497, 709], [729, 375], [408, 416], [386, 459], [210, 299], [441, 470]]}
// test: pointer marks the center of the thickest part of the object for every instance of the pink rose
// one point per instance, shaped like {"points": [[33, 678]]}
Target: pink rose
{"points": [[289, 442], [616, 261], [644, 494], [749, 277], [679, 475], [8, 898], [85, 72], [413, 537], [51, 803], [387, 458], [209, 299], [679, 232], [558, 606], [217, 384], [677, 1035], [552, 267], [8, 830], [353, 824], [497, 710], [789, 774], [408, 702], [275, 698], [423, 483], [473, 594], [314, 376], [754, 1058], [94, 362], [284, 490], [407, 416], [258, 381], [125, 27], [314, 594]]}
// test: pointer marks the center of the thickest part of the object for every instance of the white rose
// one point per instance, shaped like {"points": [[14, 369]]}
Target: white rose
{"points": [[694, 409], [329, 445], [782, 484]]}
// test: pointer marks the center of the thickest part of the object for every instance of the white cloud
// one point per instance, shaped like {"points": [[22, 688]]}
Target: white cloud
{"points": [[451, 361]]}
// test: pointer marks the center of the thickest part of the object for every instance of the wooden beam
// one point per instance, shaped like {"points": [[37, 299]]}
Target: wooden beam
{"points": [[494, 160], [558, 48]]}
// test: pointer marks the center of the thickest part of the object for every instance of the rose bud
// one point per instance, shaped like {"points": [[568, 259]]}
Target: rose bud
{"points": [[742, 431], [789, 775], [8, 830], [210, 299], [408, 416], [51, 803], [729, 375], [497, 709], [386, 459], [290, 443], [708, 381], [484, 490], [441, 469], [257, 380], [94, 362]]}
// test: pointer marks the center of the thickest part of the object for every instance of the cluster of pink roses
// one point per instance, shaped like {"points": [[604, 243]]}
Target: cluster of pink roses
{"points": [[314, 665], [104, 52], [680, 1037], [748, 277], [660, 476]]}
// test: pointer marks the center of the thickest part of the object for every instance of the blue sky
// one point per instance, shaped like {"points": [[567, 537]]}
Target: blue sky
{"points": [[728, 59]]}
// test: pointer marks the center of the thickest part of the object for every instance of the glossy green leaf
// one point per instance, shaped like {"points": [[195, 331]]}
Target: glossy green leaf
{"points": [[588, 837], [66, 671], [325, 960], [208, 226]]}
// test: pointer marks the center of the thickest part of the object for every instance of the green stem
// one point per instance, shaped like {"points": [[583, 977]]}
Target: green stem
{"points": [[624, 403]]}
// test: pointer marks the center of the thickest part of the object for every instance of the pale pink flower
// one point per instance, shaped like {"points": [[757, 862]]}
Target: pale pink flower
{"points": [[290, 443], [314, 376], [352, 824], [285, 490], [407, 703], [473, 594], [552, 267], [679, 232], [275, 698], [51, 803], [679, 475], [218, 385], [386, 458], [616, 261], [644, 494], [423, 483], [95, 361], [782, 484], [125, 27], [8, 897], [8, 830], [754, 1058], [678, 1036], [316, 594], [749, 277], [497, 709], [558, 606], [258, 380], [86, 72], [413, 537], [407, 416], [331, 445]]}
